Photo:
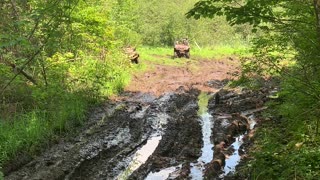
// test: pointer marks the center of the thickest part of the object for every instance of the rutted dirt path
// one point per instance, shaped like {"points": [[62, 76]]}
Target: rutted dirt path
{"points": [[201, 75], [154, 129]]}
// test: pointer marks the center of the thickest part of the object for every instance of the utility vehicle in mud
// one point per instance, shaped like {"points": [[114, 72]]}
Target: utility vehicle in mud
{"points": [[132, 54], [181, 49]]}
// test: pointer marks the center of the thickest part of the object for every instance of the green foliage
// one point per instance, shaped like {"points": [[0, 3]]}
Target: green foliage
{"points": [[161, 23], [165, 54], [59, 57], [287, 45], [125, 18], [69, 54], [286, 147], [286, 29]]}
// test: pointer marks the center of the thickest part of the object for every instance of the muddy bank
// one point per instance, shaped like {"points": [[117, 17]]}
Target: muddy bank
{"points": [[114, 132]]}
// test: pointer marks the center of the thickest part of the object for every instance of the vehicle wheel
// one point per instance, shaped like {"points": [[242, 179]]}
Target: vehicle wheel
{"points": [[175, 55], [135, 61], [187, 55]]}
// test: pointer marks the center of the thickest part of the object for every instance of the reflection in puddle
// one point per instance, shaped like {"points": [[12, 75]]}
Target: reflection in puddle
{"points": [[163, 174], [141, 156], [235, 158], [207, 149], [196, 171]]}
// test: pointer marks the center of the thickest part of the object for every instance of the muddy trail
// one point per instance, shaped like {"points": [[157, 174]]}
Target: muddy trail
{"points": [[195, 128]]}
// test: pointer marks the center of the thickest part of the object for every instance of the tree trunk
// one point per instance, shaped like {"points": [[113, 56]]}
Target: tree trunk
{"points": [[316, 4], [18, 70]]}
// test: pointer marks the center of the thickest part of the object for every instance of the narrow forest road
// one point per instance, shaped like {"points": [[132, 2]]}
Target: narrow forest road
{"points": [[168, 124]]}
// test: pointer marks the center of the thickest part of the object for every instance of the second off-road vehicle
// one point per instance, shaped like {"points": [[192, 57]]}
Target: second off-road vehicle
{"points": [[181, 49]]}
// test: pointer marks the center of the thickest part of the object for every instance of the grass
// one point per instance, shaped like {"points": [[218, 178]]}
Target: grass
{"points": [[27, 131], [164, 55], [160, 55], [221, 51], [50, 112]]}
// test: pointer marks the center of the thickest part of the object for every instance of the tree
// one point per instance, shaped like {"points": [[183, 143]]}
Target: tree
{"points": [[287, 46], [290, 32]]}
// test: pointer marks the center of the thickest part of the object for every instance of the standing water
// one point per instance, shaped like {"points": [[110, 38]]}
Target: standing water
{"points": [[235, 158], [207, 149], [141, 157], [144, 152], [163, 174]]}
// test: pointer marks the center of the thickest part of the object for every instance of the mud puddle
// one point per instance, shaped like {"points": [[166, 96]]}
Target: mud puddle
{"points": [[163, 174], [196, 169], [206, 121], [181, 135], [120, 139], [180, 143], [234, 159], [141, 156], [234, 112]]}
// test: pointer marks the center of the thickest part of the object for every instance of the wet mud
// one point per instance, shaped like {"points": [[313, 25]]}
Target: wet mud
{"points": [[181, 141], [115, 132], [159, 132], [235, 113]]}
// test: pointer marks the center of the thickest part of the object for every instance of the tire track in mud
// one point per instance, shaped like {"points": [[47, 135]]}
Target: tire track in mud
{"points": [[234, 114], [115, 132], [181, 141], [118, 130]]}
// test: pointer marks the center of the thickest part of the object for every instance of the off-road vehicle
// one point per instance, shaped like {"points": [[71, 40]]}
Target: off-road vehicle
{"points": [[181, 49], [132, 54]]}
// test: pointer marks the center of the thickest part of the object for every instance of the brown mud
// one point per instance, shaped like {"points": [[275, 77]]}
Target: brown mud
{"points": [[200, 75], [161, 104]]}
